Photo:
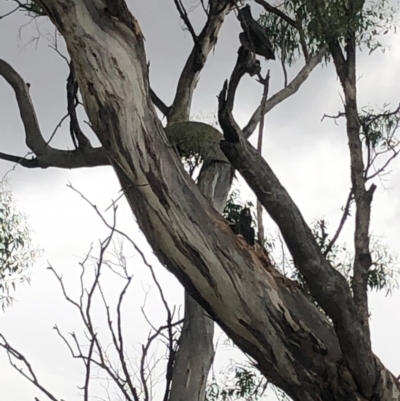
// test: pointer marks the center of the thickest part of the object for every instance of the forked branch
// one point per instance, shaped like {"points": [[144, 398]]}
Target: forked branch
{"points": [[45, 155], [284, 93], [184, 15], [28, 373], [204, 43], [334, 296]]}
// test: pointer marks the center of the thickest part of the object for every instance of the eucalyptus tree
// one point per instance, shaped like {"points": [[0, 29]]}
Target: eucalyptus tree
{"points": [[313, 348]]}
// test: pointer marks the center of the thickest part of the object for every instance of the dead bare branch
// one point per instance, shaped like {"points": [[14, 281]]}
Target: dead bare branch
{"points": [[156, 100], [381, 169], [22, 160], [46, 156], [184, 15], [159, 103], [118, 339], [283, 61], [9, 13], [284, 93], [260, 224], [31, 376], [346, 213], [78, 137], [108, 225], [245, 63], [84, 309]]}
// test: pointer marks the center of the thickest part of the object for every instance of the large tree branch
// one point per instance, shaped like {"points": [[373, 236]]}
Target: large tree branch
{"points": [[196, 350], [159, 103], [345, 64], [45, 155], [362, 196], [66, 159], [266, 314], [206, 40], [334, 296], [284, 93], [34, 138]]}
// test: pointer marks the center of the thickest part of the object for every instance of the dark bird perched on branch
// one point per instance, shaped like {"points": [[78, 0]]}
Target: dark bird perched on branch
{"points": [[243, 226], [254, 37]]}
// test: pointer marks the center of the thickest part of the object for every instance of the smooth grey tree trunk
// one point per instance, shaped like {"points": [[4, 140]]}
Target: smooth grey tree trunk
{"points": [[195, 353]]}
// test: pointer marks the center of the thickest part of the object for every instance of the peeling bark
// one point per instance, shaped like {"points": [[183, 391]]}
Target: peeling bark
{"points": [[334, 296], [264, 313], [195, 354], [196, 349]]}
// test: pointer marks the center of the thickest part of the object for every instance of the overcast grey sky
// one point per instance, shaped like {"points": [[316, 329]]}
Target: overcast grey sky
{"points": [[309, 156]]}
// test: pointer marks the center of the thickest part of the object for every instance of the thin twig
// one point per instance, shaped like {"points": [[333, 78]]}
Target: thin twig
{"points": [[184, 15], [31, 376], [346, 213]]}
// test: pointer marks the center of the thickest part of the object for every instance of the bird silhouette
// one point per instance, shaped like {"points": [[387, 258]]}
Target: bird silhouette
{"points": [[254, 37], [243, 226]]}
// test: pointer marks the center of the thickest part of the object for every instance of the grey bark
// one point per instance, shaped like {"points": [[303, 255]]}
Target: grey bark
{"points": [[195, 354], [264, 313], [360, 360], [196, 349], [45, 155]]}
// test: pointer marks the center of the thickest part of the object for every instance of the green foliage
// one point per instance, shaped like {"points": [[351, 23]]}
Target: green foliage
{"points": [[16, 251], [33, 9], [337, 253], [288, 39], [234, 207], [375, 19], [378, 130], [241, 383], [382, 273]]}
